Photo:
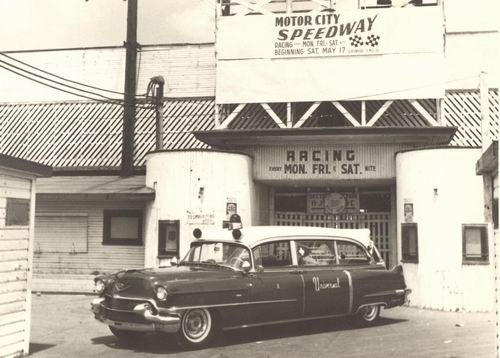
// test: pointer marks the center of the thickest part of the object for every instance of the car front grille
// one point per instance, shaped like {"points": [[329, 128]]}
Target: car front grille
{"points": [[122, 310], [122, 304], [125, 317]]}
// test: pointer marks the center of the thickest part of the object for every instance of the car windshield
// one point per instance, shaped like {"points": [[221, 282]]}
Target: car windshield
{"points": [[217, 253]]}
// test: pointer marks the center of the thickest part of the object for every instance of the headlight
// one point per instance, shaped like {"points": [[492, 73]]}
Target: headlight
{"points": [[161, 293], [99, 286]]}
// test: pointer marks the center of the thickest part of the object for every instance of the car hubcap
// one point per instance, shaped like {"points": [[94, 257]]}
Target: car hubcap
{"points": [[196, 325], [370, 312]]}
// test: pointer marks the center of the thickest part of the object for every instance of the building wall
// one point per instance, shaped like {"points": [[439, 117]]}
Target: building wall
{"points": [[189, 71], [472, 39], [194, 188], [15, 261], [94, 256], [445, 193]]}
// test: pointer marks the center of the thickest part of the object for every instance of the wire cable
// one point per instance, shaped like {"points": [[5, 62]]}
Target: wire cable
{"points": [[109, 101], [60, 77], [57, 82]]}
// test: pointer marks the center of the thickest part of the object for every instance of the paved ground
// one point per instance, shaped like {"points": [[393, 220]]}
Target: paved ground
{"points": [[62, 326]]}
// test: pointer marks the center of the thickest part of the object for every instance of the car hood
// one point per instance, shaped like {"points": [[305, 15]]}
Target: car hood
{"points": [[183, 279]]}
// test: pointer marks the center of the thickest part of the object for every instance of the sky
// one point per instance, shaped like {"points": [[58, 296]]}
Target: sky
{"points": [[55, 24]]}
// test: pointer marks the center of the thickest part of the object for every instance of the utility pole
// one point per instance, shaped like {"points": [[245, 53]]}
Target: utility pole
{"points": [[127, 162], [157, 84]]}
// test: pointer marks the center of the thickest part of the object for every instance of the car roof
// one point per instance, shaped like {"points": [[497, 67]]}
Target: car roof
{"points": [[251, 235]]}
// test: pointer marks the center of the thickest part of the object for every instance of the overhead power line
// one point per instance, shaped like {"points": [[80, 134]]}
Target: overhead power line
{"points": [[56, 82], [60, 77], [108, 100]]}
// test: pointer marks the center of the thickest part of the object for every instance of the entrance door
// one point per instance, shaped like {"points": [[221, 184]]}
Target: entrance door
{"points": [[370, 209]]}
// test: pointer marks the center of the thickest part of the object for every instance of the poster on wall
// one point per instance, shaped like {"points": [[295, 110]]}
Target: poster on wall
{"points": [[332, 203], [231, 208], [408, 212]]}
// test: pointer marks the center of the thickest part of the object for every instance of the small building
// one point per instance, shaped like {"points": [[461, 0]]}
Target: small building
{"points": [[17, 219]]}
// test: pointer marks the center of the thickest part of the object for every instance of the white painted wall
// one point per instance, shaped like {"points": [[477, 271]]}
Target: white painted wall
{"points": [[439, 280], [16, 256], [177, 178], [472, 40]]}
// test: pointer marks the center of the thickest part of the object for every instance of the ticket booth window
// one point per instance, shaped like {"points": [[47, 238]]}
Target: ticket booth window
{"points": [[168, 240], [475, 243], [409, 242]]}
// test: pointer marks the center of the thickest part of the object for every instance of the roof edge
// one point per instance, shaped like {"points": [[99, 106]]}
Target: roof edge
{"points": [[23, 165]]}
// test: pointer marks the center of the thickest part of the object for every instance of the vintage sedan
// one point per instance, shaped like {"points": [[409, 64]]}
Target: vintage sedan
{"points": [[250, 277]]}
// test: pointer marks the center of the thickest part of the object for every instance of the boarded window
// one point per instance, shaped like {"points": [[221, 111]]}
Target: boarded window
{"points": [[475, 243], [18, 212], [168, 238], [61, 233], [122, 227], [409, 242]]}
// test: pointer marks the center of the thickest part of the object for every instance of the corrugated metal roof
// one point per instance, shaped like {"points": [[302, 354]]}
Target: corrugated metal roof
{"points": [[88, 134]]}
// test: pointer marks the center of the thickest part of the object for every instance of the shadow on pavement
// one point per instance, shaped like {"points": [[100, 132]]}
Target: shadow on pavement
{"points": [[165, 344], [38, 347]]}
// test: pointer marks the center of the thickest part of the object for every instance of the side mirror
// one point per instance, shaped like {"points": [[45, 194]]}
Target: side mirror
{"points": [[245, 266], [259, 268]]}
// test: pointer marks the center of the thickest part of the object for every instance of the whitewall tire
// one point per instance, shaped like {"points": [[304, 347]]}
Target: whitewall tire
{"points": [[368, 315], [197, 328]]}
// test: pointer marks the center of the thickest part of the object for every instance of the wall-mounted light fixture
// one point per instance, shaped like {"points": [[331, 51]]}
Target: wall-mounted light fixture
{"points": [[436, 192]]}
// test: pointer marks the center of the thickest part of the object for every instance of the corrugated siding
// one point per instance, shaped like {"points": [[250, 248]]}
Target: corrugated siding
{"points": [[98, 257], [14, 255], [463, 110], [88, 134], [61, 233]]}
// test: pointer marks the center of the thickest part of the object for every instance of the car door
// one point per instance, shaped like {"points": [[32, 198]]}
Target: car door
{"points": [[327, 287], [276, 291]]}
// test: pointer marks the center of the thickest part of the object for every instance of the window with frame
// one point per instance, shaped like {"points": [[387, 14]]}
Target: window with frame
{"points": [[350, 253], [409, 242], [273, 254], [316, 252], [475, 243], [17, 212], [122, 227], [168, 238]]}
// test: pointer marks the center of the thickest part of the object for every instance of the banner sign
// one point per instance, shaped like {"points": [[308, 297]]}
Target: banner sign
{"points": [[332, 34], [339, 162]]}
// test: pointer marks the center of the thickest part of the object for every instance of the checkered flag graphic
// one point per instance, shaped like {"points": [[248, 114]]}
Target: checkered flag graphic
{"points": [[356, 41], [372, 40]]}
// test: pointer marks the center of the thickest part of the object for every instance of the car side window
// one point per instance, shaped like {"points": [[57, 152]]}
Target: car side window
{"points": [[316, 252], [273, 254], [351, 253]]}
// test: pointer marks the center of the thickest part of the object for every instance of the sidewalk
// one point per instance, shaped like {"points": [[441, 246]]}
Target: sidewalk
{"points": [[63, 326]]}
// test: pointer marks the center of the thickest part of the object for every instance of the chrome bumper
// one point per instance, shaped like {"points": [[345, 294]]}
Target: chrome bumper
{"points": [[157, 323]]}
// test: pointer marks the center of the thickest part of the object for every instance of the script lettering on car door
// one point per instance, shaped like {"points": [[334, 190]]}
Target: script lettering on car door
{"points": [[323, 285]]}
